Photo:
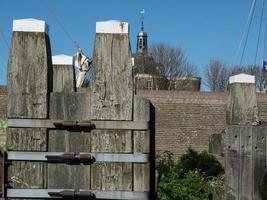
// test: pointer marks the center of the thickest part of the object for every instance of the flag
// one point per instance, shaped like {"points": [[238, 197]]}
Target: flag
{"points": [[264, 66]]}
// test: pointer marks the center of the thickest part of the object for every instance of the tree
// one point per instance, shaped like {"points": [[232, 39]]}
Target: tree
{"points": [[173, 61], [216, 75]]}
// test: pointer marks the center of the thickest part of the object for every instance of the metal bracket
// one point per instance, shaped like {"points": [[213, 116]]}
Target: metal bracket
{"points": [[73, 194], [85, 158], [71, 158], [65, 193], [67, 124]]}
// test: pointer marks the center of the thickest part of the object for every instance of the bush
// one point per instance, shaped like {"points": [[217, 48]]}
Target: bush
{"points": [[195, 176], [203, 162]]}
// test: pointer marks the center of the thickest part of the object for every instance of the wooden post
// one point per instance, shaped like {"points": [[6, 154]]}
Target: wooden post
{"points": [[245, 141], [112, 99], [29, 85], [242, 103], [63, 74]]}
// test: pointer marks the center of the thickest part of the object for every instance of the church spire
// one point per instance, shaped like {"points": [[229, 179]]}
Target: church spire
{"points": [[141, 46]]}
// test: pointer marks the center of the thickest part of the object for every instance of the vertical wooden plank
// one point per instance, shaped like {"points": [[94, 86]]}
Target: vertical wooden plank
{"points": [[29, 85], [63, 74], [69, 106], [232, 163], [246, 172], [112, 99], [141, 144], [29, 75], [259, 159]]}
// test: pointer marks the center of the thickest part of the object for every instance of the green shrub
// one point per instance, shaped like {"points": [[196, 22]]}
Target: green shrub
{"points": [[191, 187], [3, 123], [195, 176], [204, 162]]}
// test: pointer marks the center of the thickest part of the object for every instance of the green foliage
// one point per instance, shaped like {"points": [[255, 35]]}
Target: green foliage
{"points": [[3, 123], [203, 162], [195, 176]]}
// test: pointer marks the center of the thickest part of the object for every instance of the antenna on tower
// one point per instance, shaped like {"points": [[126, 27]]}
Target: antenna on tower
{"points": [[142, 13]]}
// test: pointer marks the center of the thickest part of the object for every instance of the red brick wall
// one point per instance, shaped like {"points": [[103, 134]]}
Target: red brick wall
{"points": [[186, 119]]}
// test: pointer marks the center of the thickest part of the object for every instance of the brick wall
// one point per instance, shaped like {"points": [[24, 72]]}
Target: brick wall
{"points": [[187, 119], [3, 102], [183, 119]]}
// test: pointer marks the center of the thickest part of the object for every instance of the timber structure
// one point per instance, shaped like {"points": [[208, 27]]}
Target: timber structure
{"points": [[64, 144]]}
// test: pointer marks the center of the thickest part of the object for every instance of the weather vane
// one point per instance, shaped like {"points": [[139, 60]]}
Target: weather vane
{"points": [[142, 12]]}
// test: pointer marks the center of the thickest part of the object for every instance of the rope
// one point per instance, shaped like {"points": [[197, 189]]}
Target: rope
{"points": [[246, 32], [259, 34], [62, 26]]}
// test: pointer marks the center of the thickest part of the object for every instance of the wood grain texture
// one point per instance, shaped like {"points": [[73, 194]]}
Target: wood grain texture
{"points": [[29, 75], [259, 159], [112, 99], [242, 105], [246, 164], [232, 163], [69, 106], [63, 78], [112, 84], [29, 85], [141, 144]]}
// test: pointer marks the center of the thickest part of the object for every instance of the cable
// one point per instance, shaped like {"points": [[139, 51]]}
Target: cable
{"points": [[259, 34], [62, 26], [246, 31], [249, 25]]}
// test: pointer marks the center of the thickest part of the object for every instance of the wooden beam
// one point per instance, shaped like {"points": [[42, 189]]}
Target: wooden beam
{"points": [[112, 99], [29, 85]]}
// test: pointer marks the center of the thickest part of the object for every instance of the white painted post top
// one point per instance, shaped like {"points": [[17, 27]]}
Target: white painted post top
{"points": [[62, 60], [112, 26], [30, 25], [242, 78]]}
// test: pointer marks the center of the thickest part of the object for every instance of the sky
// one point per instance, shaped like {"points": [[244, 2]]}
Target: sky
{"points": [[204, 29]]}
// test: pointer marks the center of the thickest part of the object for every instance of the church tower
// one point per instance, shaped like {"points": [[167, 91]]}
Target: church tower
{"points": [[141, 46]]}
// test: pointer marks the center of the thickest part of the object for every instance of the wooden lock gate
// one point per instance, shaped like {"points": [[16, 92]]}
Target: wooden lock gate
{"points": [[67, 144]]}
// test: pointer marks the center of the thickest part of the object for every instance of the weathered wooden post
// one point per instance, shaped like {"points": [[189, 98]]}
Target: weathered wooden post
{"points": [[29, 85], [113, 98], [89, 145], [245, 141], [63, 73]]}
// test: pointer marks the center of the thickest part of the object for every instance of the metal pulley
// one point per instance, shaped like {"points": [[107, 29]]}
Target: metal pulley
{"points": [[83, 63]]}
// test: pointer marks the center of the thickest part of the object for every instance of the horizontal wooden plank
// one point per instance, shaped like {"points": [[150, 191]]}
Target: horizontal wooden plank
{"points": [[99, 157], [43, 193], [53, 124]]}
